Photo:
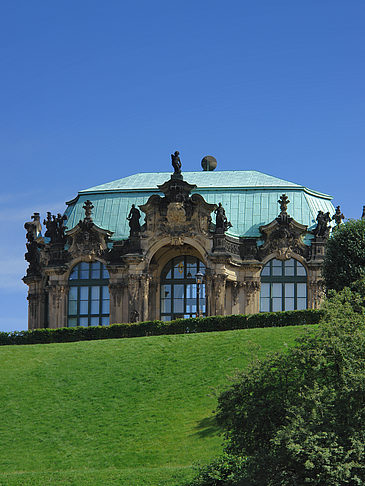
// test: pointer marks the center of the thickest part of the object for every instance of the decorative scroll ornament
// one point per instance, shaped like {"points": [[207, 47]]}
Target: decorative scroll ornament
{"points": [[87, 238], [283, 237]]}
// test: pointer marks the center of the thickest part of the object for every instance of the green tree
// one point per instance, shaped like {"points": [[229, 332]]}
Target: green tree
{"points": [[344, 261], [298, 417]]}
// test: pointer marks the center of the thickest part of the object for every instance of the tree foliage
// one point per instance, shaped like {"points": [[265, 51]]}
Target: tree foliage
{"points": [[298, 417], [344, 261]]}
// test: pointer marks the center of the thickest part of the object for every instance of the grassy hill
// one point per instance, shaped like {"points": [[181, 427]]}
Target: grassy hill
{"points": [[119, 412]]}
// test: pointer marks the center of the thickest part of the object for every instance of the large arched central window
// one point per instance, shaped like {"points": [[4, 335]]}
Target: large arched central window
{"points": [[88, 298], [181, 296], [283, 286]]}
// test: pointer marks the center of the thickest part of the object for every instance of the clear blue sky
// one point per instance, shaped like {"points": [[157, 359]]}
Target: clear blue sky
{"points": [[92, 91]]}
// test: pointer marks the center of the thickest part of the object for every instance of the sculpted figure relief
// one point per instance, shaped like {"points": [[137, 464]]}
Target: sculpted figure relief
{"points": [[133, 218], [176, 162], [221, 222]]}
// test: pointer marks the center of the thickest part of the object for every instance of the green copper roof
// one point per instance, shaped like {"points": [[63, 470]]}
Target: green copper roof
{"points": [[249, 198]]}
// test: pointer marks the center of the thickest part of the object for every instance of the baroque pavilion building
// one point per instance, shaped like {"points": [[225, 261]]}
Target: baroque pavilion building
{"points": [[163, 246]]}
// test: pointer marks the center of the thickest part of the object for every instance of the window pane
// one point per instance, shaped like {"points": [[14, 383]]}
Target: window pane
{"points": [[105, 307], [105, 321], [202, 291], [165, 291], [302, 290], [84, 307], [95, 293], [265, 305], [276, 304], [266, 270], [289, 290], [94, 321], [301, 270], [191, 267], [178, 291], [72, 294], [84, 270], [191, 291], [72, 322], [277, 270], [84, 321], [95, 306], [84, 293], [289, 303], [289, 267], [178, 305], [105, 273], [72, 307], [179, 268], [95, 270], [105, 292], [74, 273], [301, 303], [165, 305], [265, 290], [165, 318], [276, 290]]}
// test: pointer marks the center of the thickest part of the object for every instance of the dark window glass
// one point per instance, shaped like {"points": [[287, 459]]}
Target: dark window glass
{"points": [[88, 297], [283, 286], [179, 291]]}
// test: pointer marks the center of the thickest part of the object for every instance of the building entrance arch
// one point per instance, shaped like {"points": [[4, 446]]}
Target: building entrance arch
{"points": [[181, 296]]}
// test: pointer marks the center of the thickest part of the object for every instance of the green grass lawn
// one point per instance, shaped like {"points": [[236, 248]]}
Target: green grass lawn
{"points": [[119, 412]]}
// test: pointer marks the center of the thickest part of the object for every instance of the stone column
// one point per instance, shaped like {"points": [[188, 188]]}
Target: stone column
{"points": [[57, 304], [118, 302], [134, 298], [316, 293], [252, 294], [36, 302], [237, 297], [143, 295], [219, 289]]}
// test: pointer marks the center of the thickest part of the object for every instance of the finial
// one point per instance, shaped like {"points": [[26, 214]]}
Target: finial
{"points": [[283, 201], [88, 207], [363, 213]]}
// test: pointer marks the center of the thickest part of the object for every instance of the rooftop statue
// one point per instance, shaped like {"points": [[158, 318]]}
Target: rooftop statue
{"points": [[55, 228], [221, 222], [33, 228], [88, 207], [338, 216], [176, 162], [322, 229], [133, 218]]}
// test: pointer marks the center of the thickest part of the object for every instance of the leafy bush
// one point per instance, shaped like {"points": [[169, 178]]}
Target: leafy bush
{"points": [[157, 328], [344, 260], [298, 417]]}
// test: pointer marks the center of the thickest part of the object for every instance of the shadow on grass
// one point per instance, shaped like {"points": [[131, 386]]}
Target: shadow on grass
{"points": [[207, 427]]}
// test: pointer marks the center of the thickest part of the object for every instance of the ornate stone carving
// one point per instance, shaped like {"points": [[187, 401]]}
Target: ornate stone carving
{"points": [[33, 245], [338, 216], [317, 288], [283, 236], [251, 286], [236, 287], [221, 222], [322, 230], [87, 238], [178, 213], [55, 228]]}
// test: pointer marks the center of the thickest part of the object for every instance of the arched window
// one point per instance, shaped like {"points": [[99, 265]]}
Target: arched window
{"points": [[181, 296], [88, 297], [283, 286]]}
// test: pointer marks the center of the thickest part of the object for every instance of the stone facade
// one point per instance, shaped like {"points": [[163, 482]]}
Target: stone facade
{"points": [[176, 223]]}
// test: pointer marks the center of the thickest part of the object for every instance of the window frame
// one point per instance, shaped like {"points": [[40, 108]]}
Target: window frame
{"points": [[283, 279], [80, 282], [186, 281]]}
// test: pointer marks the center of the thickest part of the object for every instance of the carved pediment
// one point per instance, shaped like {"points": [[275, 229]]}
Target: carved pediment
{"points": [[283, 236], [177, 213], [88, 239]]}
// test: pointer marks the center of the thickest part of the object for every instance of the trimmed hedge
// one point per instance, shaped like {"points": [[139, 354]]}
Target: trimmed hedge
{"points": [[157, 328]]}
